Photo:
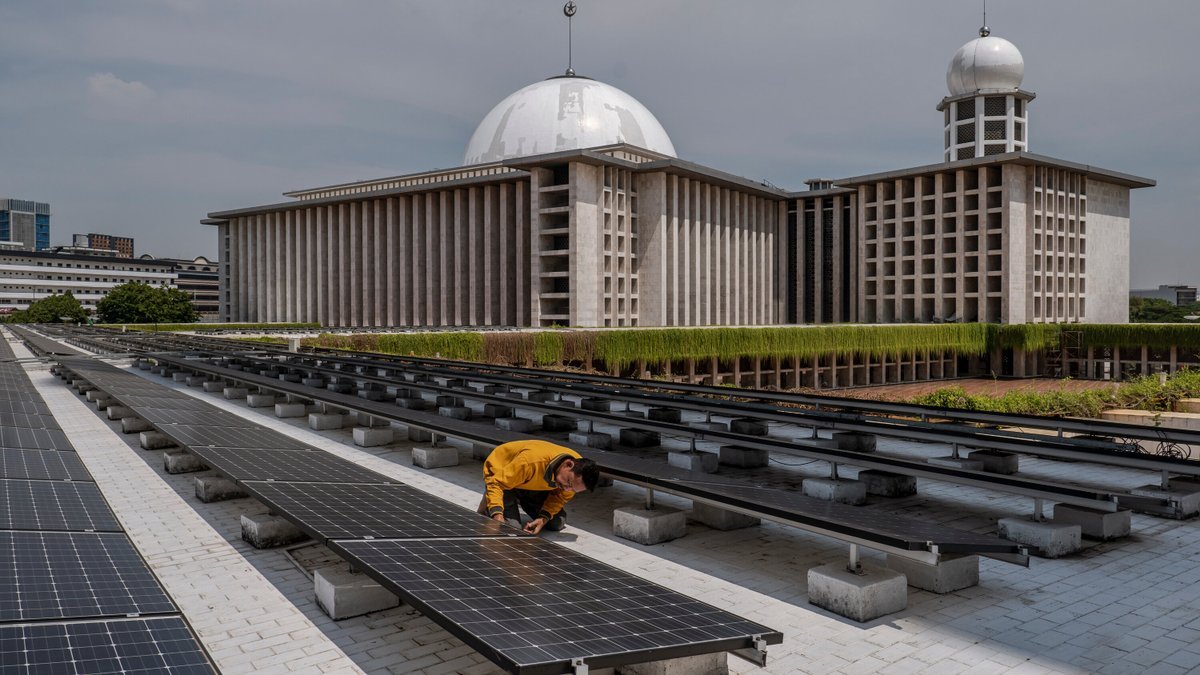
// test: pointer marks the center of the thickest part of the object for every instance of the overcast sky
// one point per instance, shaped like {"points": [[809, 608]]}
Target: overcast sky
{"points": [[139, 117]]}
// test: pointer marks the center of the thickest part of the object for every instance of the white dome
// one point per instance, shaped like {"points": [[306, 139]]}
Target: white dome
{"points": [[985, 64], [564, 113]]}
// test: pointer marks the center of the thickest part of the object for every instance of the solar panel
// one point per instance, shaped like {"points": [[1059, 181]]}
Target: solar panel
{"points": [[24, 421], [54, 505], [243, 464], [41, 464], [395, 511], [34, 439], [60, 575], [199, 436], [28, 406], [157, 645], [528, 603], [210, 417]]}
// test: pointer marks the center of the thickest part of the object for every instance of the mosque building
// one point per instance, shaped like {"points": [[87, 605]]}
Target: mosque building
{"points": [[572, 208]]}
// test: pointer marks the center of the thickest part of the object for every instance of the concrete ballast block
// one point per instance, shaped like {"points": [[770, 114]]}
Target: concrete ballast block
{"points": [[639, 438], [196, 380], [951, 574], [749, 426], [419, 435], [182, 461], [326, 421], [994, 461], [235, 393], [371, 437], [746, 458], [517, 424], [435, 457], [592, 439], [116, 412], [1094, 523], [597, 404], [285, 410], [558, 423], [213, 386], [648, 527], [721, 519], [1047, 539], [217, 489], [455, 412], [854, 440], [133, 425], [260, 400], [497, 411], [672, 415], [709, 664], [154, 440], [693, 461], [343, 594], [179, 376], [887, 484], [876, 592], [956, 463], [267, 531], [1185, 493], [829, 489]]}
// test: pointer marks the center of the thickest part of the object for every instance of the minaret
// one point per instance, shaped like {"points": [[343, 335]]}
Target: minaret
{"points": [[986, 113]]}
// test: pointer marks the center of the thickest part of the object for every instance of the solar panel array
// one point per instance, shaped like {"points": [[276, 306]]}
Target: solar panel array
{"points": [[75, 595], [485, 582]]}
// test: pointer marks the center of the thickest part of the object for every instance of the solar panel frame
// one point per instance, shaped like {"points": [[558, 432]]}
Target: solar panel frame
{"points": [[380, 511], [65, 575], [151, 645], [42, 465], [204, 436], [55, 505], [259, 464], [534, 607], [34, 439]]}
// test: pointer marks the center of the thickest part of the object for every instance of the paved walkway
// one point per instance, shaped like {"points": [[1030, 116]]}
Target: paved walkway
{"points": [[1120, 607]]}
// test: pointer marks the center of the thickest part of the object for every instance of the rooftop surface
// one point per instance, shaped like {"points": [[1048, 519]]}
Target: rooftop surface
{"points": [[1116, 607]]}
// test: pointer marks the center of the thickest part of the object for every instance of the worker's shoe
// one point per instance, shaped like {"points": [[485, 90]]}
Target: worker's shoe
{"points": [[556, 524]]}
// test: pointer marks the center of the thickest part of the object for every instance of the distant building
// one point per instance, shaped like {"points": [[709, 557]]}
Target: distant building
{"points": [[199, 278], [24, 225], [28, 276], [122, 245], [1178, 295]]}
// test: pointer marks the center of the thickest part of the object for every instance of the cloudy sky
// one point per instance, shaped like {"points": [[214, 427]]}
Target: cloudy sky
{"points": [[141, 116]]}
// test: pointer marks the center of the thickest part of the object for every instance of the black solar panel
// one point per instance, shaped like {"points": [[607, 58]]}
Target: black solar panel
{"points": [[157, 645], [41, 464], [210, 417], [26, 421], [54, 505], [529, 604], [354, 511], [34, 439], [26, 406], [60, 575], [244, 464], [200, 436]]}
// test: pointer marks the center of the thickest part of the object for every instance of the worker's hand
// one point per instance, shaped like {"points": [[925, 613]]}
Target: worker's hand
{"points": [[499, 518], [534, 526]]}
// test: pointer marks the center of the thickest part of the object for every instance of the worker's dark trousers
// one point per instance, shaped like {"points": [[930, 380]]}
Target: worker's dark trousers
{"points": [[529, 501]]}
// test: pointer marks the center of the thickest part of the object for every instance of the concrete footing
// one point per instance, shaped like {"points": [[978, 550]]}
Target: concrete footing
{"points": [[419, 435], [285, 410], [318, 382], [639, 438], [182, 461], [953, 573], [179, 376], [876, 592], [267, 531], [154, 440], [592, 439], [455, 412], [854, 440], [103, 403], [749, 426], [995, 461], [598, 404], [260, 400], [133, 425], [836, 490], [541, 396], [1094, 523], [497, 411], [517, 424], [213, 387], [412, 403], [887, 484], [693, 461], [558, 423], [217, 489], [721, 519], [343, 594], [671, 415], [371, 437], [116, 412], [1045, 539], [1181, 490], [746, 458], [708, 664], [196, 380], [326, 421], [434, 457], [95, 395], [235, 393], [649, 527], [956, 463]]}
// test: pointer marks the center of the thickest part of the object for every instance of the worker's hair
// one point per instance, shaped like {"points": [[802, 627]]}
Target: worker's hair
{"points": [[588, 470]]}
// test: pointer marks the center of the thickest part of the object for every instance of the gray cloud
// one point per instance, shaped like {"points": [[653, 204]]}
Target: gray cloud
{"points": [[140, 116]]}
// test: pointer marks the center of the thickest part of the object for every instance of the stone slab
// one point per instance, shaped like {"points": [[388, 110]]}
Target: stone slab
{"points": [[342, 594], [876, 592], [839, 490], [267, 531], [435, 457], [1094, 523], [649, 527], [721, 519], [372, 437], [693, 461], [1045, 539], [217, 489], [746, 458], [952, 573], [887, 484]]}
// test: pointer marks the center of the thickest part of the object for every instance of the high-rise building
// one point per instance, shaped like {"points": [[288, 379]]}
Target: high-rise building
{"points": [[198, 278], [24, 225]]}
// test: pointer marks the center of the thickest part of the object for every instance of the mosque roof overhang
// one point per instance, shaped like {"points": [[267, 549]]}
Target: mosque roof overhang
{"points": [[1024, 158]]}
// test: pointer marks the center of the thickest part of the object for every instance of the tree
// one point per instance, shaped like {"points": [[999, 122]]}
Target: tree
{"points": [[136, 302], [1154, 310], [51, 309]]}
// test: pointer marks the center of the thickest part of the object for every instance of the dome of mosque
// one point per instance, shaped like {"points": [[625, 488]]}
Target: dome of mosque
{"points": [[985, 64]]}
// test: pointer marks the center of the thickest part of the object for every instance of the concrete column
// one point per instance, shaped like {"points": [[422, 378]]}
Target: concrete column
{"points": [[352, 312], [490, 271], [382, 252], [394, 256], [430, 303], [524, 256], [405, 239], [585, 244]]}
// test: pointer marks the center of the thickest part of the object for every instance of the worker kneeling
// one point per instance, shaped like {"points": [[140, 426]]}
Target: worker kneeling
{"points": [[539, 477]]}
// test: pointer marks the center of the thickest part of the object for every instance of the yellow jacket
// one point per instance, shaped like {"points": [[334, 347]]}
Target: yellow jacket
{"points": [[526, 465]]}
